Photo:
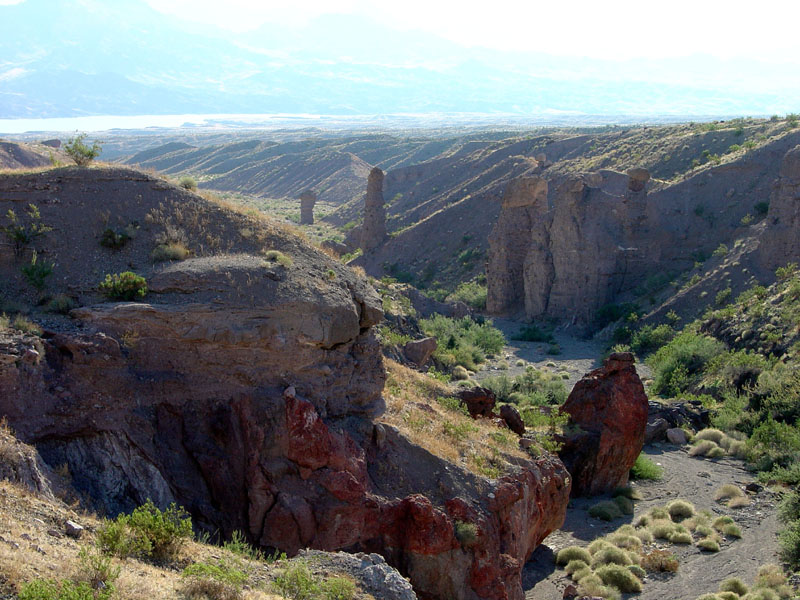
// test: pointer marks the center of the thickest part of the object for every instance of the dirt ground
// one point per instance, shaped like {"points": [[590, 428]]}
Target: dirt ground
{"points": [[693, 479]]}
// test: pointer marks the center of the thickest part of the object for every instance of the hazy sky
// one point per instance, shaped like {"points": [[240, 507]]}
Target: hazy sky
{"points": [[616, 29]]}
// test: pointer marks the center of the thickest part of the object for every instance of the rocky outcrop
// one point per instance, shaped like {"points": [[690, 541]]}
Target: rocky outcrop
{"points": [[609, 406], [307, 201], [479, 401], [781, 243], [419, 351], [373, 232], [245, 388]]}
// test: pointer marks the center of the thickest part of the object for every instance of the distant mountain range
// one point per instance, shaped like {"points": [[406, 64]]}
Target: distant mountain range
{"points": [[62, 58]]}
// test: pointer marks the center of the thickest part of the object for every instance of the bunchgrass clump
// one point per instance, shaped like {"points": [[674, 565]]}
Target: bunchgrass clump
{"points": [[728, 491], [704, 448], [575, 565], [715, 435], [620, 577], [594, 587], [720, 522], [170, 251], [735, 585], [732, 530], [662, 529], [570, 553], [627, 492], [580, 574], [680, 509], [739, 502], [637, 570], [598, 545], [708, 545], [681, 537], [611, 555], [624, 504], [275, 256]]}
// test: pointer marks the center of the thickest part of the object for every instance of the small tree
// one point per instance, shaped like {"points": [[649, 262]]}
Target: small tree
{"points": [[80, 152]]}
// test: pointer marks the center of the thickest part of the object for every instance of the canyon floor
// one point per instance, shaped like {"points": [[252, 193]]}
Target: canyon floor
{"points": [[685, 477]]}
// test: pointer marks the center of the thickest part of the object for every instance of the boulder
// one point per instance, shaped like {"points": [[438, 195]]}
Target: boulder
{"points": [[479, 401], [513, 419], [637, 179], [655, 430], [419, 351], [677, 436], [609, 406]]}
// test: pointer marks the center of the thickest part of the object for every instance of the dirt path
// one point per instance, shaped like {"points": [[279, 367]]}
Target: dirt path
{"points": [[577, 357], [688, 478]]}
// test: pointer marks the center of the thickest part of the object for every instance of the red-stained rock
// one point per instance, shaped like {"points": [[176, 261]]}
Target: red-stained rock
{"points": [[479, 401], [513, 419], [309, 442], [610, 407]]}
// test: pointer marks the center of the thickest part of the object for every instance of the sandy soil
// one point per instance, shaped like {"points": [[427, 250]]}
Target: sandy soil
{"points": [[693, 479]]}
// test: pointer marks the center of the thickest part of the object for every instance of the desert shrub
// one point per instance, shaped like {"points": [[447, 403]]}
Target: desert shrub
{"points": [[37, 271], [787, 272], [715, 435], [610, 555], [658, 561], [728, 490], [470, 293], [650, 338], [188, 182], [703, 448], [147, 532], [680, 509], [620, 577], [613, 312], [773, 443], [97, 569], [735, 585], [721, 521], [704, 530], [466, 533], [625, 541], [296, 582], [239, 545], [770, 576], [464, 342], [170, 251], [571, 553], [787, 475], [114, 239], [606, 511], [78, 151], [338, 588], [624, 504], [61, 304], [645, 468], [708, 545], [123, 286], [220, 580], [763, 594], [532, 333], [681, 537], [276, 256], [49, 589], [679, 363], [789, 537], [721, 250], [658, 512], [575, 565], [21, 234]]}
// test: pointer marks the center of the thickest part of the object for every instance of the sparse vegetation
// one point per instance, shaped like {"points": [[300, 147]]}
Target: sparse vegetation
{"points": [[276, 256], [37, 272], [188, 182], [645, 468], [464, 342]]}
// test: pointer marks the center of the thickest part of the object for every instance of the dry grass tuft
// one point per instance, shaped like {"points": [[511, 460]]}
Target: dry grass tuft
{"points": [[739, 502], [728, 491]]}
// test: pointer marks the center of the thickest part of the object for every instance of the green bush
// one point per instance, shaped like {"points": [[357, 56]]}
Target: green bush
{"points": [[238, 544], [49, 589], [708, 545], [466, 533], [532, 333], [464, 342], [575, 565], [624, 504], [680, 509], [114, 239], [338, 588], [649, 338], [78, 151], [471, 293], [645, 468], [147, 532], [296, 582], [610, 555], [735, 585], [21, 234], [681, 362], [279, 257], [123, 286]]}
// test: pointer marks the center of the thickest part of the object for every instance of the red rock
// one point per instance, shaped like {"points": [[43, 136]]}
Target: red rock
{"points": [[610, 407], [479, 401], [309, 441], [513, 419]]}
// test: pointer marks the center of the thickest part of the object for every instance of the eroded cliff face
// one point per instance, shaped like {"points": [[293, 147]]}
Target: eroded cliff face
{"points": [[373, 231], [246, 389], [565, 247]]}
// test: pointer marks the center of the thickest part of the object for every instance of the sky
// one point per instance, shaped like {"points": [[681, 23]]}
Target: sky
{"points": [[614, 29]]}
